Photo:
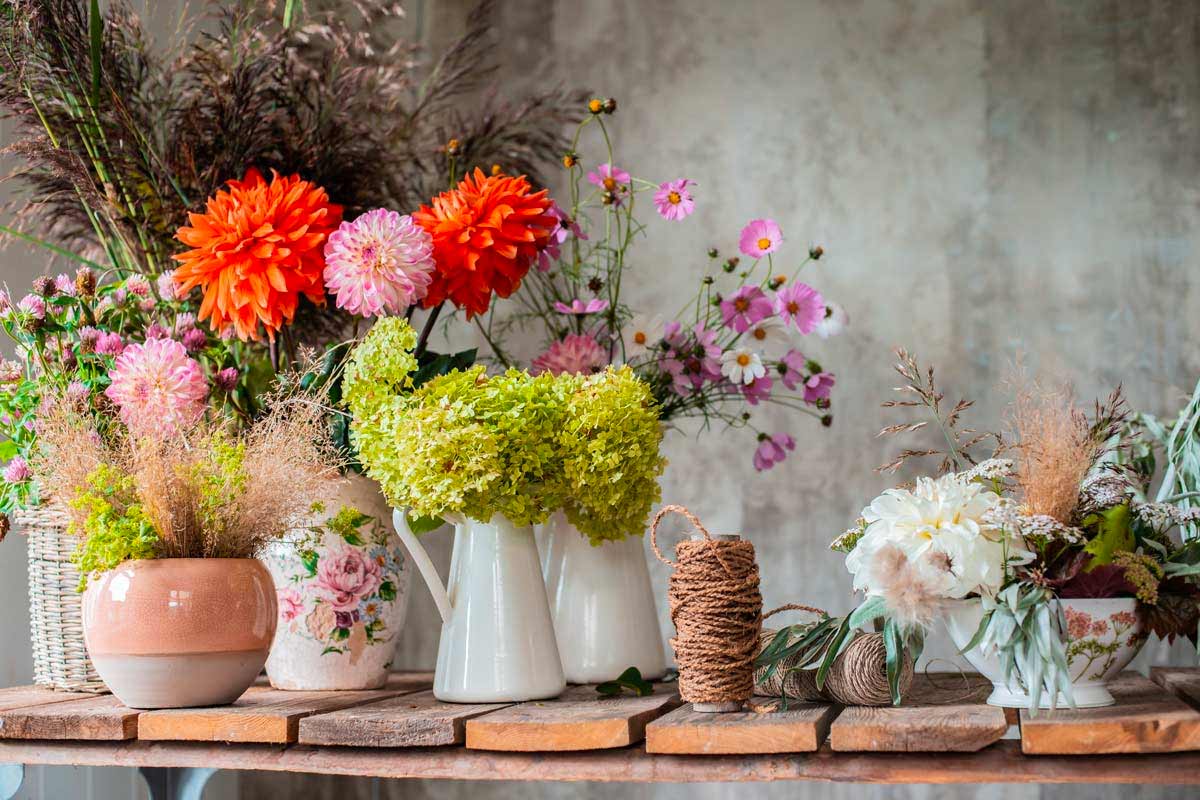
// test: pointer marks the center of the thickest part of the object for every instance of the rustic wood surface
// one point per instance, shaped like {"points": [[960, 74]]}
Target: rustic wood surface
{"points": [[262, 714], [580, 719], [27, 696], [1183, 682], [100, 717], [943, 713], [411, 720], [1146, 719], [1000, 763], [802, 728]]}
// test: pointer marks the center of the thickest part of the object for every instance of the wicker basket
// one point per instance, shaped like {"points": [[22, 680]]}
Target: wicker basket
{"points": [[60, 659]]}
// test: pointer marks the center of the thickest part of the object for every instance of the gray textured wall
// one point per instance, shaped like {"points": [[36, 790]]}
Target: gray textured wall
{"points": [[988, 179]]}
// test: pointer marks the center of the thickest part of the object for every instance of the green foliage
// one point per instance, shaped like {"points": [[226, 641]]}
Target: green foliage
{"points": [[347, 523], [217, 479], [1113, 533], [630, 679], [116, 529]]}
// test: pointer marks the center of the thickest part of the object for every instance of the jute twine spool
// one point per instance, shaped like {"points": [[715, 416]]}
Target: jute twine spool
{"points": [[857, 677], [717, 610]]}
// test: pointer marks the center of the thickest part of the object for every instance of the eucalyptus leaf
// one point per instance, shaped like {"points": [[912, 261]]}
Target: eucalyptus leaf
{"points": [[630, 679]]}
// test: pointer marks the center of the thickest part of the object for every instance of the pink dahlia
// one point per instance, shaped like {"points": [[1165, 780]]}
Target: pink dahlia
{"points": [[580, 308], [772, 449], [157, 387], [576, 354], [382, 261], [567, 228], [818, 386], [801, 305], [744, 308], [673, 200], [759, 237]]}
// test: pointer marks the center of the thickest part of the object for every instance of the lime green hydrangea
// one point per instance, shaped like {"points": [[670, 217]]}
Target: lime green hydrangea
{"points": [[380, 369], [611, 461], [116, 529]]}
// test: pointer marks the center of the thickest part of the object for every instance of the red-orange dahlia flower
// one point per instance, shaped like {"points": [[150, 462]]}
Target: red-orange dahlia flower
{"points": [[255, 250], [486, 232]]}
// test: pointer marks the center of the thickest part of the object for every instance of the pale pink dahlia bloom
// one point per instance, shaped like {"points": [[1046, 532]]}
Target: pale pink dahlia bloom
{"points": [[801, 305], [673, 201], [157, 387], [382, 261], [576, 354], [759, 237]]}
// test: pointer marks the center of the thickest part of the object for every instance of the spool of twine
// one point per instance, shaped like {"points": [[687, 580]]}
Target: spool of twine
{"points": [[857, 677], [717, 611]]}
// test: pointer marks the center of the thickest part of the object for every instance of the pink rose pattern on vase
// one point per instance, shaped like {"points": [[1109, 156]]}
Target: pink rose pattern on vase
{"points": [[1095, 642], [338, 599]]}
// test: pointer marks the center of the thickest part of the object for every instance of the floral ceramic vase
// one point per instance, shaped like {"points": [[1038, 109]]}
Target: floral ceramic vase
{"points": [[343, 594], [602, 604], [180, 632], [1102, 637]]}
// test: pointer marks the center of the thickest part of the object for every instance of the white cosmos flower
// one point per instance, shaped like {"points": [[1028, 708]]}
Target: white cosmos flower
{"points": [[642, 334], [940, 527], [769, 336], [742, 365], [835, 321]]}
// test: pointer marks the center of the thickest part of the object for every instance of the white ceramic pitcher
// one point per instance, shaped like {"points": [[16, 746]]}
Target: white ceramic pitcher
{"points": [[497, 642], [602, 605]]}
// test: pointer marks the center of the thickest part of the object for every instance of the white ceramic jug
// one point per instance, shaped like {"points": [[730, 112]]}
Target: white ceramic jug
{"points": [[497, 642], [602, 604]]}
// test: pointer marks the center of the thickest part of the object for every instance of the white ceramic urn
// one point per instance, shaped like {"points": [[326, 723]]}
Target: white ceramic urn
{"points": [[602, 604], [497, 643], [1102, 637]]}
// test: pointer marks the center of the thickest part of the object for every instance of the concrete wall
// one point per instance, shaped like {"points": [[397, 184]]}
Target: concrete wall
{"points": [[988, 179]]}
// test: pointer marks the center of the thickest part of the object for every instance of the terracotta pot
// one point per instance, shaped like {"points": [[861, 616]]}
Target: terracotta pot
{"points": [[342, 595], [180, 632], [1102, 637]]}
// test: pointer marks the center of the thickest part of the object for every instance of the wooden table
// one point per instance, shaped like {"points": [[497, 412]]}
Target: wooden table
{"points": [[1152, 736]]}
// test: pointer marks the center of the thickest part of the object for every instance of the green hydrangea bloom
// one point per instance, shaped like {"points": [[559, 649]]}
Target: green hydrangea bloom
{"points": [[612, 464], [380, 369]]}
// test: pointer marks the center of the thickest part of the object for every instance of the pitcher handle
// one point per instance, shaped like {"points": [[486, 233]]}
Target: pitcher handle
{"points": [[424, 565]]}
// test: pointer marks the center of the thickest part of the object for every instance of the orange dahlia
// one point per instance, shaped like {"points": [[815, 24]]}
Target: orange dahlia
{"points": [[255, 250], [486, 232]]}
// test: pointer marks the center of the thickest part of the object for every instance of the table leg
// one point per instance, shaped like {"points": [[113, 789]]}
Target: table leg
{"points": [[11, 778], [175, 783]]}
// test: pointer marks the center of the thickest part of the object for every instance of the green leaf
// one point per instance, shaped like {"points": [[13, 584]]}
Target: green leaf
{"points": [[630, 679], [332, 649], [387, 591], [309, 559], [1114, 535], [872, 609], [341, 634], [8, 449], [893, 646], [835, 646], [352, 538], [421, 525]]}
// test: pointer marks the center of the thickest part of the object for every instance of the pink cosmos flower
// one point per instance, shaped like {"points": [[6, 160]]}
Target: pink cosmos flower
{"points": [[17, 471], [567, 228], [759, 237], [801, 305], [818, 386], [345, 576], [109, 344], [834, 322], [608, 178], [226, 380], [382, 261], [758, 390], [745, 307], [792, 368], [580, 308], [673, 201], [772, 450], [691, 361], [577, 354], [291, 604], [157, 387], [33, 305]]}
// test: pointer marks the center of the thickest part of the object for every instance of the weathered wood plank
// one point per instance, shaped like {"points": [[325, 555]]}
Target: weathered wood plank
{"points": [[1146, 719], [802, 728], [579, 719], [260, 715], [27, 696], [1183, 682], [411, 720], [90, 717], [942, 713]]}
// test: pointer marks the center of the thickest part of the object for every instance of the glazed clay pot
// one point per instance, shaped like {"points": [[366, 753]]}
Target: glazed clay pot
{"points": [[180, 632], [604, 613], [1103, 636], [343, 594]]}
